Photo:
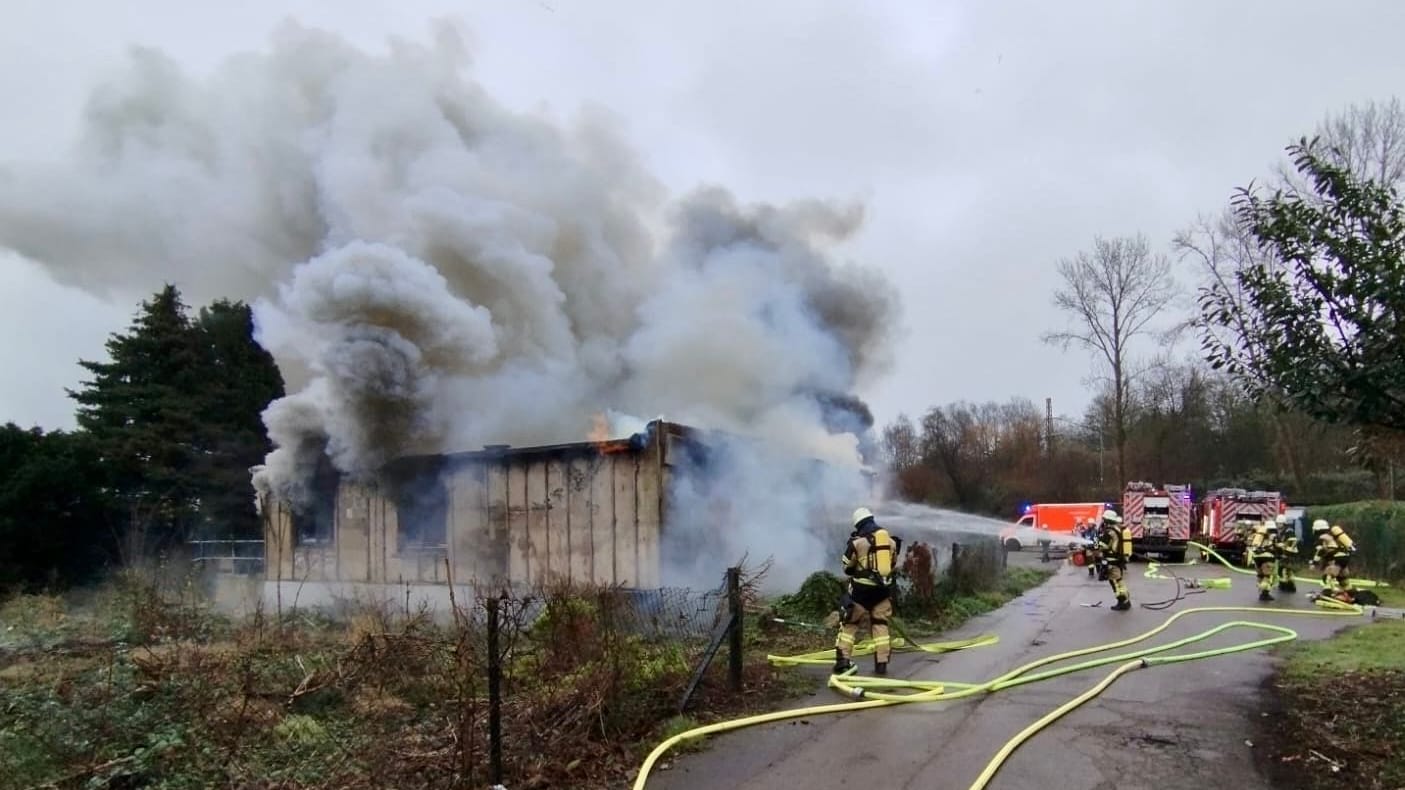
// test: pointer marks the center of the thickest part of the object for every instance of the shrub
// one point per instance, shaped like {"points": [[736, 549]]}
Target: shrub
{"points": [[1378, 527]]}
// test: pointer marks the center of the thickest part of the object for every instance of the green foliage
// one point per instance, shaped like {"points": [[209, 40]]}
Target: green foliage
{"points": [[175, 415], [1316, 321], [55, 515], [817, 597], [1378, 528], [950, 608]]}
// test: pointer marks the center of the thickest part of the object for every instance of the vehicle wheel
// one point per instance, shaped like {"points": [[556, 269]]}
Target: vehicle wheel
{"points": [[1175, 556], [1012, 545]]}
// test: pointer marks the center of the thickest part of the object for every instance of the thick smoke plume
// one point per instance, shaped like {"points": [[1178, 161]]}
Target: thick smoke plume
{"points": [[435, 272]]}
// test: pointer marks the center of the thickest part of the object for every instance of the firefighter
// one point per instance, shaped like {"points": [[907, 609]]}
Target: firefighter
{"points": [[1115, 546], [870, 555], [1333, 554], [1260, 551], [1087, 532], [1287, 553]]}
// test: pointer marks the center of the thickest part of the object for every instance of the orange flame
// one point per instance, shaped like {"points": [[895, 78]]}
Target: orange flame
{"points": [[599, 429], [600, 435]]}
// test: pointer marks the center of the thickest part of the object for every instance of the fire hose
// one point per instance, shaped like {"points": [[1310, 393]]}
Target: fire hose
{"points": [[1250, 572], [876, 692]]}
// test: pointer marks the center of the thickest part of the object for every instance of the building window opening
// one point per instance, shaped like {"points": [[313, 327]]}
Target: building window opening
{"points": [[421, 497], [313, 522]]}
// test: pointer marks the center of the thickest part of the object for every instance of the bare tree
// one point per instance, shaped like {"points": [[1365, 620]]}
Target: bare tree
{"points": [[901, 445], [1113, 294], [1219, 248], [1368, 139]]}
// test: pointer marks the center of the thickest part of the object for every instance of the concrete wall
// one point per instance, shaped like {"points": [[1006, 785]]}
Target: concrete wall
{"points": [[588, 512]]}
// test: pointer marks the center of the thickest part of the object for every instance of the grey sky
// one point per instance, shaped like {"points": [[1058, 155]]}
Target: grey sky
{"points": [[986, 138]]}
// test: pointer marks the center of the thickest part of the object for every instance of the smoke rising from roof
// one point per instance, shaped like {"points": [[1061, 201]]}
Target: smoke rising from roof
{"points": [[440, 272]]}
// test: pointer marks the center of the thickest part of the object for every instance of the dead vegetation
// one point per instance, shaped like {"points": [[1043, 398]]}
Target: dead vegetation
{"points": [[1336, 716], [387, 697]]}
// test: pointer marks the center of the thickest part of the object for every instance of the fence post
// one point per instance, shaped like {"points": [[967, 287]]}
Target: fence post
{"points": [[494, 695], [734, 604]]}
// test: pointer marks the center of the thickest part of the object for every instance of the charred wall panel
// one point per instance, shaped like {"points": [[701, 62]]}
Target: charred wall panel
{"points": [[625, 524], [578, 536], [558, 523], [602, 513], [649, 517], [352, 540], [468, 518]]}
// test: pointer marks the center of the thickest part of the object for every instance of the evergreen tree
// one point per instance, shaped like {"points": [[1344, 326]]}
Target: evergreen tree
{"points": [[241, 380], [139, 410], [175, 413]]}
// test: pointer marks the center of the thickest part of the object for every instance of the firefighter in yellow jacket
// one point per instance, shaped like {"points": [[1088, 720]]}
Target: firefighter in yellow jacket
{"points": [[870, 556], [1333, 552], [1287, 551], [1115, 546], [1261, 555]]}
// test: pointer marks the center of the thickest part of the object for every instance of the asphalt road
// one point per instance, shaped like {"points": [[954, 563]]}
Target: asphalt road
{"points": [[1183, 725]]}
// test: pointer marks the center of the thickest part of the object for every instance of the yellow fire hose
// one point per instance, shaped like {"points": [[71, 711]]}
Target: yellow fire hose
{"points": [[1363, 583], [875, 692]]}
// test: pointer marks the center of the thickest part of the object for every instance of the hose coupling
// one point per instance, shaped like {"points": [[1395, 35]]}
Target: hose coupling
{"points": [[856, 692]]}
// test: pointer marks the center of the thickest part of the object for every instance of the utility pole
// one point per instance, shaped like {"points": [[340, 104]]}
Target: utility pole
{"points": [[1049, 424]]}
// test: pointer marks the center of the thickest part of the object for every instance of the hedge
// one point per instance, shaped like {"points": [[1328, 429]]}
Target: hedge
{"points": [[1378, 527]]}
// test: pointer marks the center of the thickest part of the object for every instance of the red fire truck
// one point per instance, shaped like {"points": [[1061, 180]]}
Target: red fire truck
{"points": [[1228, 514], [1159, 518]]}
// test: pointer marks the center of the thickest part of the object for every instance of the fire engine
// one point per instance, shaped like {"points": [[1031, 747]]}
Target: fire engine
{"points": [[1159, 518], [1228, 514]]}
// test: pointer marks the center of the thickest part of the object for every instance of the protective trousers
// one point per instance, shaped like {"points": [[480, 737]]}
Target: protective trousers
{"points": [[1115, 573], [1263, 566], [1286, 581], [1336, 575], [877, 619]]}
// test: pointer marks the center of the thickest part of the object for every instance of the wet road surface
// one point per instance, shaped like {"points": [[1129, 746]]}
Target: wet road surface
{"points": [[1183, 725]]}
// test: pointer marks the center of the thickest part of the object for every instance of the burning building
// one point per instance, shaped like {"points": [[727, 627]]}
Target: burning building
{"points": [[605, 511]]}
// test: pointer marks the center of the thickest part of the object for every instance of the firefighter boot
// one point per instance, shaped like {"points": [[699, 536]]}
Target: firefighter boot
{"points": [[1091, 571], [1122, 605], [880, 668], [841, 664], [1264, 596]]}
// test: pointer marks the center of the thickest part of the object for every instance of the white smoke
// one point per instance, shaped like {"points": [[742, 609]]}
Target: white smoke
{"points": [[434, 272]]}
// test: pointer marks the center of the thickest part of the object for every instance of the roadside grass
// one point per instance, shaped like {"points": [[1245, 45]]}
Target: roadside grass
{"points": [[1364, 648], [1342, 703]]}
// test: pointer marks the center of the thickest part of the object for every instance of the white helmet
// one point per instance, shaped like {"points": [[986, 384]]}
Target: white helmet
{"points": [[861, 514], [1111, 517], [1281, 519], [1321, 525]]}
